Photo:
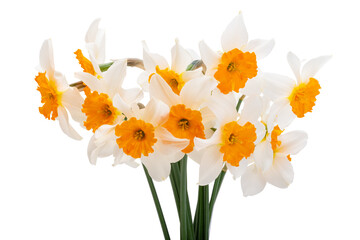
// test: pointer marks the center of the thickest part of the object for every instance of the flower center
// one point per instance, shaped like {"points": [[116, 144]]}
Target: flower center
{"points": [[185, 123], [139, 135], [237, 142], [99, 110], [303, 97], [50, 97], [136, 137], [173, 79], [235, 68]]}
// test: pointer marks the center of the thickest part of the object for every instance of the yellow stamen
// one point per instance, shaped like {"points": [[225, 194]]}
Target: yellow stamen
{"points": [[136, 137], [235, 68]]}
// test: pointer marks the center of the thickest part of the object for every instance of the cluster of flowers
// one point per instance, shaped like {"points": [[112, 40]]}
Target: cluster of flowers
{"points": [[192, 110]]}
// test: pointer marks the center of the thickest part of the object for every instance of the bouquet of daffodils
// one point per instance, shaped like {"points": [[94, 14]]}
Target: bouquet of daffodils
{"points": [[218, 109]]}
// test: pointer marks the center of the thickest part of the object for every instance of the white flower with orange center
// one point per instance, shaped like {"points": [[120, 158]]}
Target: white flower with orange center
{"points": [[99, 105], [142, 136], [175, 75], [234, 139], [233, 67], [272, 161], [294, 98], [56, 95], [188, 115]]}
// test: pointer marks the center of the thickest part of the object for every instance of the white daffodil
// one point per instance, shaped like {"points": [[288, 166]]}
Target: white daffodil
{"points": [[188, 115], [272, 161], [234, 140], [175, 75], [105, 104], [294, 98], [56, 95], [233, 67], [95, 41], [142, 136]]}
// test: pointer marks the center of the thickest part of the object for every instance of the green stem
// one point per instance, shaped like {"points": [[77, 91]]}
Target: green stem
{"points": [[183, 202], [215, 192], [157, 205], [202, 220]]}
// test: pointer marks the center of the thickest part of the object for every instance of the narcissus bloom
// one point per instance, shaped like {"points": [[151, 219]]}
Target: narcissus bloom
{"points": [[56, 95], [142, 136], [188, 115], [175, 75], [294, 98], [234, 139], [238, 62], [272, 161], [99, 102]]}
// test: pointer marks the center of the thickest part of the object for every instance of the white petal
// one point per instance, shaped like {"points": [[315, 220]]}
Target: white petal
{"points": [[92, 82], [47, 57], [277, 86], [281, 174], [121, 105], [65, 125], [200, 143], [151, 60], [313, 66], [180, 58], [240, 170], [143, 80], [167, 144], [155, 112], [162, 91], [223, 106], [92, 31], [197, 91], [188, 75], [280, 114], [60, 80], [252, 181], [92, 151], [73, 101], [294, 63], [253, 86], [261, 47], [235, 34], [211, 165], [210, 58], [263, 155], [114, 77], [157, 166], [131, 95], [292, 142], [252, 109]]}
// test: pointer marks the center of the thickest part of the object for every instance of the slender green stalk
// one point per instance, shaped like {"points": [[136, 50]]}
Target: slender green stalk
{"points": [[202, 221], [183, 202], [215, 192], [157, 205], [239, 102]]}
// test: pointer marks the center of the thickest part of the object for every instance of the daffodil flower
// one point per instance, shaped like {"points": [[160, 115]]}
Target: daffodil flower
{"points": [[143, 136], [294, 98], [175, 75], [188, 114], [233, 67], [104, 105], [272, 161], [56, 95], [234, 140]]}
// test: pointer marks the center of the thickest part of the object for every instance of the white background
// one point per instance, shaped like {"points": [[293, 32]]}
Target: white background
{"points": [[49, 190]]}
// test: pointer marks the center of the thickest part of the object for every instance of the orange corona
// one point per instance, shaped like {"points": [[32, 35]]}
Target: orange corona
{"points": [[99, 110], [136, 137], [85, 63], [235, 68], [185, 123], [275, 143], [237, 142], [303, 97], [173, 79], [49, 96]]}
